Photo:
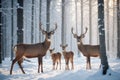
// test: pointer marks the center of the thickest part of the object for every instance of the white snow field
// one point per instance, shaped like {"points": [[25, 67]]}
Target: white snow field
{"points": [[79, 72]]}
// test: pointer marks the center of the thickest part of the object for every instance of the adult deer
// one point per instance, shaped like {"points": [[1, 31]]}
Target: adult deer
{"points": [[68, 56], [33, 50], [56, 58], [87, 50]]}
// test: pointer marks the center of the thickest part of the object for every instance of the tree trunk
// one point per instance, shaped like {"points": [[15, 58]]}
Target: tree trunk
{"points": [[107, 9], [101, 27], [118, 28], [0, 34], [81, 16], [20, 22], [12, 31], [48, 15], [40, 10], [76, 14], [63, 24], [90, 21], [32, 23], [114, 40]]}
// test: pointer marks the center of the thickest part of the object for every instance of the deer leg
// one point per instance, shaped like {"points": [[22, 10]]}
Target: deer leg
{"points": [[57, 65], [60, 64], [88, 66], [13, 62], [41, 63], [38, 64], [89, 63], [72, 63], [53, 65], [19, 63], [67, 64]]}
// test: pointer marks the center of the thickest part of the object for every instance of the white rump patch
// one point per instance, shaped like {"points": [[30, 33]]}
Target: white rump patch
{"points": [[15, 48], [49, 40], [78, 42]]}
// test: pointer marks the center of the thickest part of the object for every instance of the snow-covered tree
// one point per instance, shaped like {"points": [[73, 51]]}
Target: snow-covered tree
{"points": [[104, 62]]}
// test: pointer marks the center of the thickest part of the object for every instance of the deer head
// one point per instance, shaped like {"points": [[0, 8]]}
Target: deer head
{"points": [[48, 34], [64, 47], [79, 38], [51, 50]]}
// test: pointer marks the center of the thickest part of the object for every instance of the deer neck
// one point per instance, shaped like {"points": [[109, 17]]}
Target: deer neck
{"points": [[47, 43], [81, 47], [64, 52]]}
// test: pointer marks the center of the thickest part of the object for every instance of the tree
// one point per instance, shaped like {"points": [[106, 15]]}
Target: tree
{"points": [[76, 14], [12, 30], [20, 22], [32, 23], [103, 56], [0, 35], [90, 20], [118, 28], [63, 32], [107, 16], [48, 14], [40, 10], [81, 16], [114, 40]]}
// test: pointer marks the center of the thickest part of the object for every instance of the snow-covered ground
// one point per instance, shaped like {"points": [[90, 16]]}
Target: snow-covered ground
{"points": [[79, 72]]}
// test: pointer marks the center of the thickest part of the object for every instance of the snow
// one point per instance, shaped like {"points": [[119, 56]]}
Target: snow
{"points": [[79, 72]]}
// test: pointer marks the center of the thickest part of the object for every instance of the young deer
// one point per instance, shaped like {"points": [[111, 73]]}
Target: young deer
{"points": [[56, 58], [87, 50], [33, 50], [68, 56]]}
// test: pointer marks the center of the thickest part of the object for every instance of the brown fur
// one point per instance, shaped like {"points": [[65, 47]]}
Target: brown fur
{"points": [[68, 56], [32, 51], [56, 58], [87, 50]]}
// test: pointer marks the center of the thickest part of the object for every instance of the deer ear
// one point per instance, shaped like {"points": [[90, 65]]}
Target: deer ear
{"points": [[66, 45], [52, 32], [60, 45], [75, 35], [53, 48], [44, 32]]}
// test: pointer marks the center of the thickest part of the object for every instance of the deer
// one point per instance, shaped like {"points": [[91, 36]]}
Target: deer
{"points": [[37, 50], [87, 50], [68, 56], [56, 58]]}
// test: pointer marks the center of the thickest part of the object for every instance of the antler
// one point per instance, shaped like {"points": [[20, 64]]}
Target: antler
{"points": [[55, 28], [66, 45], [83, 35], [43, 31], [75, 35], [85, 31]]}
